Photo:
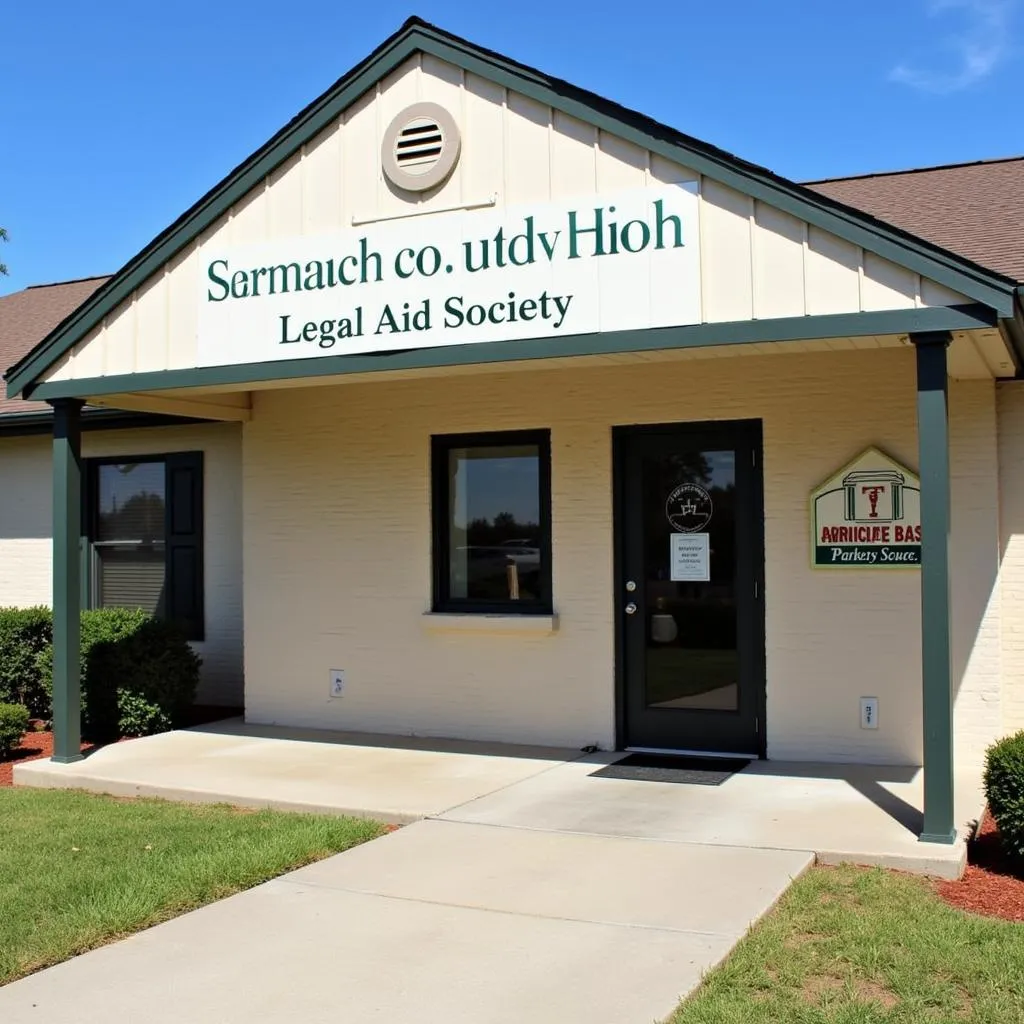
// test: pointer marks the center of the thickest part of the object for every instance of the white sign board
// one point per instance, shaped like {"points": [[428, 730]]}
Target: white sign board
{"points": [[622, 261], [690, 558]]}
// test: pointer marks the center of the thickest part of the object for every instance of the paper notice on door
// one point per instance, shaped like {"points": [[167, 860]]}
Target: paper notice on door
{"points": [[690, 558]]}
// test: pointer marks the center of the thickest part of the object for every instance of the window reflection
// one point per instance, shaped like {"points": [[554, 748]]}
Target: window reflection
{"points": [[494, 525], [692, 659]]}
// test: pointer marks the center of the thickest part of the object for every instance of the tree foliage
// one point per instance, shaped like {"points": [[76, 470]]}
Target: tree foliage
{"points": [[3, 238]]}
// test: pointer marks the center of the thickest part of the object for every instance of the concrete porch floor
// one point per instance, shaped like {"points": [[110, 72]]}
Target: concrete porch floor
{"points": [[856, 813]]}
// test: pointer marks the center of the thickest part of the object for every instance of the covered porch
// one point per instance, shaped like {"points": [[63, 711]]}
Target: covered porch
{"points": [[868, 815], [927, 810]]}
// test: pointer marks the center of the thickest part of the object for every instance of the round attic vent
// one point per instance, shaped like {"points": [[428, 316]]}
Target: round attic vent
{"points": [[420, 147]]}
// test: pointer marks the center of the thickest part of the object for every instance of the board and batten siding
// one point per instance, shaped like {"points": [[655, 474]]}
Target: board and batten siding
{"points": [[338, 563], [26, 523], [757, 262]]}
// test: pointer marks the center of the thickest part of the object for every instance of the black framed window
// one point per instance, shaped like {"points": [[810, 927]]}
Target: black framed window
{"points": [[144, 528], [492, 522]]}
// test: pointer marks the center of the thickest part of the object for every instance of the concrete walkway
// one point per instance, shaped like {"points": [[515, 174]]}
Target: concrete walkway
{"points": [[391, 778], [440, 923], [531, 887], [857, 813]]}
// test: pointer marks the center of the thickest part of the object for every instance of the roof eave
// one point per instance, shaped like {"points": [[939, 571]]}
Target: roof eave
{"points": [[40, 421], [1013, 328]]}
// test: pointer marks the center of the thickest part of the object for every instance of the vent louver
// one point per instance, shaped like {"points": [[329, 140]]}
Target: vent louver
{"points": [[420, 147]]}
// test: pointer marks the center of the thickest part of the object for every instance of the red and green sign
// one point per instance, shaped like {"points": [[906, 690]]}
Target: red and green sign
{"points": [[867, 516]]}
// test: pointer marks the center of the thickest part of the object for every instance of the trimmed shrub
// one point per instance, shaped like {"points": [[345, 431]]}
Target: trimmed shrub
{"points": [[1004, 789], [24, 634], [139, 675], [13, 725]]}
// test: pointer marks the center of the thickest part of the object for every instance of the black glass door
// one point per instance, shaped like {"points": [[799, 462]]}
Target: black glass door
{"points": [[691, 535]]}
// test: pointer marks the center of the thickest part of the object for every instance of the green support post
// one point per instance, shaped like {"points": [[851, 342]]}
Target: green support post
{"points": [[937, 694], [67, 529]]}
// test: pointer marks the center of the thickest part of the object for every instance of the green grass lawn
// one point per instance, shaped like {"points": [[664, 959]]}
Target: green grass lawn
{"points": [[855, 946], [78, 870]]}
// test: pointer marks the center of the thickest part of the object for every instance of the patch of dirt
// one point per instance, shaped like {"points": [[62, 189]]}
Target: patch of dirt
{"points": [[800, 939], [873, 992], [844, 898], [33, 746], [993, 885], [819, 987], [965, 1011]]}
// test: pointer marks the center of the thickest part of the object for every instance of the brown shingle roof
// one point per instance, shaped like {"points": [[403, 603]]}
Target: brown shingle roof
{"points": [[28, 316], [975, 209]]}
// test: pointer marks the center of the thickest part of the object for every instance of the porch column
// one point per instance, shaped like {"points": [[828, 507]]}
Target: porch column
{"points": [[67, 529], [933, 449]]}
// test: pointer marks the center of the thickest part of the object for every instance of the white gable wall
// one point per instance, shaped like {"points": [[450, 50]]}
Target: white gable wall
{"points": [[757, 262]]}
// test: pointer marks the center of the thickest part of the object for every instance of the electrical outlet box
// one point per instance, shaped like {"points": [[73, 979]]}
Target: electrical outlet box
{"points": [[337, 682], [869, 712]]}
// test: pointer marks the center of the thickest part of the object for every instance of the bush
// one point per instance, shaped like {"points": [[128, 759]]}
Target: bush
{"points": [[13, 725], [1004, 790], [24, 634], [139, 675]]}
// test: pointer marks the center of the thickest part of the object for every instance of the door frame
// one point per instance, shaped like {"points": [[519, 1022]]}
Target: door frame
{"points": [[758, 642]]}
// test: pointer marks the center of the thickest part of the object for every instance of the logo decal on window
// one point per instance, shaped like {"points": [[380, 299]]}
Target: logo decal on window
{"points": [[689, 508]]}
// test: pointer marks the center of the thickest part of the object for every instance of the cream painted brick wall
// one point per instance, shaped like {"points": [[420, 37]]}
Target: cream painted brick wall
{"points": [[1010, 406], [974, 567], [337, 554], [26, 515], [25, 521]]}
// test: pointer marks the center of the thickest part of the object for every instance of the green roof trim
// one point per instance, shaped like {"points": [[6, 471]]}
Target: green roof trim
{"points": [[740, 332], [1014, 327], [416, 36], [40, 422]]}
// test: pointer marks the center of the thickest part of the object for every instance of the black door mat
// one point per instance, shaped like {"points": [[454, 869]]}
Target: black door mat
{"points": [[683, 769]]}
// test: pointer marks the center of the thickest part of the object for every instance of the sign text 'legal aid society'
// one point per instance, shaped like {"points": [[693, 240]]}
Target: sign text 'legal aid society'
{"points": [[620, 262]]}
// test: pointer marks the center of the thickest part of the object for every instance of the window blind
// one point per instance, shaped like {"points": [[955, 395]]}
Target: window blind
{"points": [[132, 577]]}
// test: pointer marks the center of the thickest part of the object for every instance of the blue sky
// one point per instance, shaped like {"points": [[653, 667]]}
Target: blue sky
{"points": [[117, 116]]}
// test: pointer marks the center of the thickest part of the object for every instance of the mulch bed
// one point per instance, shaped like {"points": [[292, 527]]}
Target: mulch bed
{"points": [[33, 746], [992, 886]]}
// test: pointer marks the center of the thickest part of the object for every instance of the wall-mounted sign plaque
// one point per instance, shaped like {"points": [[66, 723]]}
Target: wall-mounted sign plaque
{"points": [[866, 516]]}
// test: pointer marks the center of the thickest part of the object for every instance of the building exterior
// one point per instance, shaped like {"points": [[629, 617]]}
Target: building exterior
{"points": [[114, 438], [513, 415]]}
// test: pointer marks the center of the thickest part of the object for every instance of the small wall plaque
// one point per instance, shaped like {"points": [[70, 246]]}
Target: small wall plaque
{"points": [[867, 516]]}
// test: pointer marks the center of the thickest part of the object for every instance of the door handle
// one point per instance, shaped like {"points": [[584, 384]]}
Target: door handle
{"points": [[631, 608]]}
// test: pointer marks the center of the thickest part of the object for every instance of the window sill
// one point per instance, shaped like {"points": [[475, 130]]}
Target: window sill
{"points": [[496, 622]]}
